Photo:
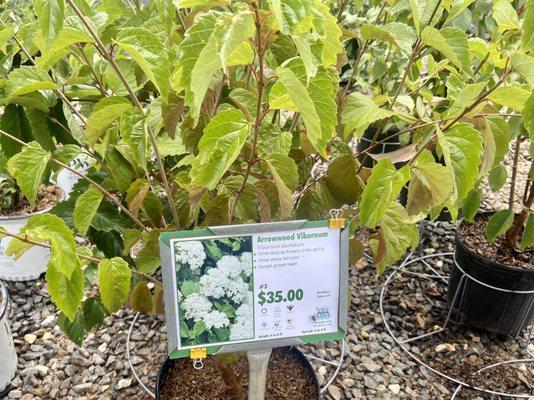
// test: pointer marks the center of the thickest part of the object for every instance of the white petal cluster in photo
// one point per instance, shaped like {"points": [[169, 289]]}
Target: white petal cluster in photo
{"points": [[243, 327], [216, 319], [189, 253], [196, 306], [226, 279], [199, 308]]}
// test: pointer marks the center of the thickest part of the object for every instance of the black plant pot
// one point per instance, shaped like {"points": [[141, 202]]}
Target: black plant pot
{"points": [[168, 364], [367, 139], [491, 310]]}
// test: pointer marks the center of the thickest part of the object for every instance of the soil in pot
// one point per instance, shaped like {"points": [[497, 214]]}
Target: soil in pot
{"points": [[473, 237], [287, 378], [503, 311], [47, 197]]}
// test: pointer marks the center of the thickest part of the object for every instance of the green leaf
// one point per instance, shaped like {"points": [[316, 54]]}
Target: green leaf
{"points": [[198, 329], [285, 195], [292, 16], [5, 35], [206, 48], [524, 65], [286, 169], [217, 211], [132, 127], [28, 79], [423, 10], [383, 186], [302, 43], [105, 112], [527, 40], [148, 260], [466, 97], [75, 330], [316, 203], [219, 147], [190, 287], [497, 177], [232, 31], [501, 136], [93, 313], [511, 96], [498, 224], [67, 153], [271, 139], [462, 146], [471, 204], [528, 117], [397, 233], [528, 234], [85, 209], [505, 16], [149, 53], [120, 169], [50, 14], [47, 227], [15, 122], [28, 168], [59, 47], [431, 184], [359, 112], [142, 298], [342, 179], [313, 98], [397, 34], [66, 293], [16, 248], [114, 282], [451, 42], [330, 34]]}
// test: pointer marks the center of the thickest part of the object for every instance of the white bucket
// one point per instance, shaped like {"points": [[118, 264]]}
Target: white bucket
{"points": [[8, 355], [32, 263], [67, 179]]}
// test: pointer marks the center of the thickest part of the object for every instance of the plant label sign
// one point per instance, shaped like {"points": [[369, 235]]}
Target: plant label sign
{"points": [[242, 287]]}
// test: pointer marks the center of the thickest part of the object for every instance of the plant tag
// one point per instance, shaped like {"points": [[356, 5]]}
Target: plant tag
{"points": [[243, 287]]}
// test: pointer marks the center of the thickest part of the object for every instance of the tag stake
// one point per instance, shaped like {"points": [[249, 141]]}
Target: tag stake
{"points": [[258, 361]]}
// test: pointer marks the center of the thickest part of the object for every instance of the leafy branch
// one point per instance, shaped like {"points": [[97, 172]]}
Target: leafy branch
{"points": [[108, 57]]}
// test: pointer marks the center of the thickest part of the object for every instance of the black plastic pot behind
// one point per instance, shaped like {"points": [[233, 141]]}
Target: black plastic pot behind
{"points": [[168, 364], [367, 139], [489, 309]]}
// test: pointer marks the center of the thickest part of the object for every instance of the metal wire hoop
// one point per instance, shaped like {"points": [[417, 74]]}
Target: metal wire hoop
{"points": [[402, 343]]}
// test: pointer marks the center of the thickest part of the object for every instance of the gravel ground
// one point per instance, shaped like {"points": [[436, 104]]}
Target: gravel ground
{"points": [[51, 367]]}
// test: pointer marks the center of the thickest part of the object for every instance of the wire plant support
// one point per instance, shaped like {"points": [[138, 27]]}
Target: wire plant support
{"points": [[437, 276], [337, 364]]}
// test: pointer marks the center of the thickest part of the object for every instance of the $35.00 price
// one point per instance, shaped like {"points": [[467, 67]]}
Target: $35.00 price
{"points": [[279, 297]]}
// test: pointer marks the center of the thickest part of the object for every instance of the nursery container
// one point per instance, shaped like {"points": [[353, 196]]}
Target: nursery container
{"points": [[8, 355], [367, 139], [486, 308], [168, 364], [67, 179], [32, 263]]}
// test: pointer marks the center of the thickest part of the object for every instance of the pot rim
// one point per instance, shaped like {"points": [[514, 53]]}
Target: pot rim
{"points": [[4, 303], [494, 264], [43, 211], [302, 358]]}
